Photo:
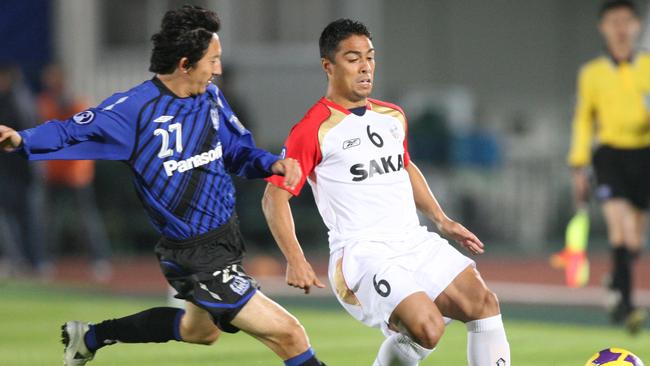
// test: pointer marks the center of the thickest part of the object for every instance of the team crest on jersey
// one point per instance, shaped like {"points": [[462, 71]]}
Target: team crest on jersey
{"points": [[394, 130], [351, 143], [283, 152], [214, 115], [83, 118]]}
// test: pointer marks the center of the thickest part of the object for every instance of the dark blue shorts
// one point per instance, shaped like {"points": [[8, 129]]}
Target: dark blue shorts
{"points": [[206, 270]]}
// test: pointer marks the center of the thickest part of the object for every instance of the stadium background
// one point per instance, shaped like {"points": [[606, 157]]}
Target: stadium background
{"points": [[488, 87]]}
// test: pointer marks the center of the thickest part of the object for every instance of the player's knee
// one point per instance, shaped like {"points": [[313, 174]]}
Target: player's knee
{"points": [[427, 332], [203, 335], [615, 237], [634, 241], [210, 338], [486, 305]]}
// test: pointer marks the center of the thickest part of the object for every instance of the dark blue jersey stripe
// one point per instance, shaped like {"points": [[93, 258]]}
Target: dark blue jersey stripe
{"points": [[143, 114], [197, 132], [195, 174]]}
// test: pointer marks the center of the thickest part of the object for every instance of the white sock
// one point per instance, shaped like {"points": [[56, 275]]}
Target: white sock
{"points": [[486, 342], [400, 350]]}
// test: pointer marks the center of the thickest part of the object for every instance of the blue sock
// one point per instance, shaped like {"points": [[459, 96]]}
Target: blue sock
{"points": [[177, 325], [306, 358]]}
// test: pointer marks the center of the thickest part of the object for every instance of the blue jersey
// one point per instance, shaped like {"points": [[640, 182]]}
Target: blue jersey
{"points": [[181, 151]]}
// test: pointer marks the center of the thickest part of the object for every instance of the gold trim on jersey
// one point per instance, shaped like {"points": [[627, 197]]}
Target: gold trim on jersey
{"points": [[344, 293], [389, 111], [335, 117]]}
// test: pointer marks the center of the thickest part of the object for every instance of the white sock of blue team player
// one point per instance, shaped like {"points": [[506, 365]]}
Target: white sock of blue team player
{"points": [[487, 344]]}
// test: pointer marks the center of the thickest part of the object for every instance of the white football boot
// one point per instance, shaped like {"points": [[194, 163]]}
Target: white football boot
{"points": [[72, 336]]}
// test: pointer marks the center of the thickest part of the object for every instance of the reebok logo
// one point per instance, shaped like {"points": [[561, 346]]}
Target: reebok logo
{"points": [[172, 166], [351, 143], [163, 119]]}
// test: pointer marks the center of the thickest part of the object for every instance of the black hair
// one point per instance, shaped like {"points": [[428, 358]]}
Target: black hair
{"points": [[608, 5], [337, 31], [184, 32]]}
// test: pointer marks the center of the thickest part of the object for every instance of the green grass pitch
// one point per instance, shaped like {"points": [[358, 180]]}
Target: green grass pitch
{"points": [[30, 316]]}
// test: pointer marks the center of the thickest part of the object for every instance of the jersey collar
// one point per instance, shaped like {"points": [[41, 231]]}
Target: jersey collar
{"points": [[338, 107], [631, 60], [165, 90]]}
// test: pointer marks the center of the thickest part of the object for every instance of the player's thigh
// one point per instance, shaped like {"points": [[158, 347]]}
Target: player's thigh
{"points": [[468, 298], [263, 318], [615, 210], [197, 325]]}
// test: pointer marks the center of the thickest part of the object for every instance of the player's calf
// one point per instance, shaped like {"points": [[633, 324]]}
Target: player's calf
{"points": [[293, 338], [277, 329]]}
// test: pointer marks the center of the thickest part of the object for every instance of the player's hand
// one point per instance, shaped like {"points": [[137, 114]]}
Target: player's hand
{"points": [[301, 275], [10, 140], [455, 231], [581, 187], [290, 169]]}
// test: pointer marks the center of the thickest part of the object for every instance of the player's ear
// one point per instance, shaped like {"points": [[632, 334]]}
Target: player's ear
{"points": [[184, 65], [327, 65]]}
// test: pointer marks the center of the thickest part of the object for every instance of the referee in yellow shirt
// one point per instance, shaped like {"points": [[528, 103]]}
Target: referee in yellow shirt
{"points": [[612, 114]]}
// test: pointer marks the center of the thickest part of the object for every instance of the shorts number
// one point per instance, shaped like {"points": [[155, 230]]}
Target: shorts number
{"points": [[165, 151], [375, 138], [382, 287]]}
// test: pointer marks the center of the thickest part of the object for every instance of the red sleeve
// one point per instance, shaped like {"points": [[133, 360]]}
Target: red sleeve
{"points": [[407, 156], [302, 145]]}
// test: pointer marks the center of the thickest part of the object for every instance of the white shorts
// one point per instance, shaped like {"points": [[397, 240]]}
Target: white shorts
{"points": [[371, 278]]}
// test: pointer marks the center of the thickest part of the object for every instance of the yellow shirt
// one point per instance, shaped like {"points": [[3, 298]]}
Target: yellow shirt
{"points": [[612, 104]]}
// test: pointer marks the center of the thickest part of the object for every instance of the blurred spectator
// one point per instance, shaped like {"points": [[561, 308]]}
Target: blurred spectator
{"points": [[68, 183], [20, 240]]}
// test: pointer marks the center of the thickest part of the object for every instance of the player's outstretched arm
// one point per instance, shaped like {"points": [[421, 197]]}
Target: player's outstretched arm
{"points": [[277, 211], [10, 140], [426, 203]]}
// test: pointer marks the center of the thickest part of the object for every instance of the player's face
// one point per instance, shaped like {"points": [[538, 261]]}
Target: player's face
{"points": [[620, 27], [200, 76], [351, 73]]}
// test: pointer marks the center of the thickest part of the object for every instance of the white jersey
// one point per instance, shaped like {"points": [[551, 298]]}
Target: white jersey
{"points": [[356, 168]]}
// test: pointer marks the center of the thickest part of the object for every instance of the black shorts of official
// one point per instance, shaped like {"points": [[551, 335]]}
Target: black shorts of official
{"points": [[623, 173], [206, 270]]}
